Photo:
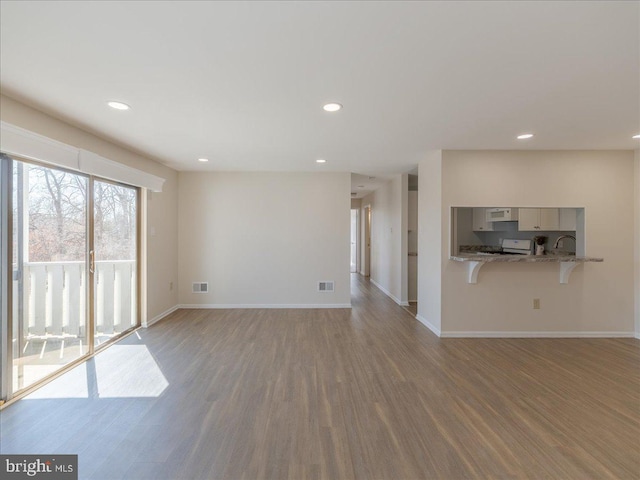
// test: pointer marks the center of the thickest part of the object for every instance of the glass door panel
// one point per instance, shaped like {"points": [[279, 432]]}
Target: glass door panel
{"points": [[115, 262], [49, 289]]}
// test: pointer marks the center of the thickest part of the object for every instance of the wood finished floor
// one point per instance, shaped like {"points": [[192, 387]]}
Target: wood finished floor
{"points": [[366, 393]]}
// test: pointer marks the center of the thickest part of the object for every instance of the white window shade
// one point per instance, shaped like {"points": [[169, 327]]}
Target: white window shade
{"points": [[18, 141]]}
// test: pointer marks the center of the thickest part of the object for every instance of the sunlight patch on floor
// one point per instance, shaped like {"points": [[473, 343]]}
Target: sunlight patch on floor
{"points": [[121, 371]]}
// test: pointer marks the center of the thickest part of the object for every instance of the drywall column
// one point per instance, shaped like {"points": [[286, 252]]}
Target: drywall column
{"points": [[430, 241], [637, 242]]}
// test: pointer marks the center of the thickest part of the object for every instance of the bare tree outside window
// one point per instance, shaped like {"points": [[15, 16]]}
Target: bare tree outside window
{"points": [[58, 217]]}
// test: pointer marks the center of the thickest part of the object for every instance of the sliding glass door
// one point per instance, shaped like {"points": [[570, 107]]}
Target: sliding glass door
{"points": [[114, 259], [49, 321], [73, 261]]}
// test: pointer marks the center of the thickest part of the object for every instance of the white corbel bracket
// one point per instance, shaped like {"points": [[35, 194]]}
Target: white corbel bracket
{"points": [[474, 268], [565, 271]]}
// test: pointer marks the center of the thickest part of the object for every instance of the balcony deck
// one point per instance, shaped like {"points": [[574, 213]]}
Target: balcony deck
{"points": [[50, 328]]}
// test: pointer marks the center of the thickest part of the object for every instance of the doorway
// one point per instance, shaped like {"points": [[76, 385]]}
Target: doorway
{"points": [[354, 265], [73, 269], [412, 244]]}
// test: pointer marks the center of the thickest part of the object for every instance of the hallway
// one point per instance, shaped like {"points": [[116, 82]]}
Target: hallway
{"points": [[337, 393]]}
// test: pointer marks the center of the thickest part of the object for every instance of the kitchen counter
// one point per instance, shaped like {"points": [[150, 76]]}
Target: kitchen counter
{"points": [[567, 262], [474, 257]]}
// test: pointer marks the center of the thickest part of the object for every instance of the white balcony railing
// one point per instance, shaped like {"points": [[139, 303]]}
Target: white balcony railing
{"points": [[54, 298]]}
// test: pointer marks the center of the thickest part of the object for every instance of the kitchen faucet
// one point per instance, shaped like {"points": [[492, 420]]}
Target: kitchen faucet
{"points": [[561, 237]]}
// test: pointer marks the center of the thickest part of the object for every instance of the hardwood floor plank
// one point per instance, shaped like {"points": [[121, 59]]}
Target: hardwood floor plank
{"points": [[366, 393]]}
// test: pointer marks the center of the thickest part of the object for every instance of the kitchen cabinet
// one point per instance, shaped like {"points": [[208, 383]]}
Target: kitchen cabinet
{"points": [[480, 223], [538, 219], [568, 219]]}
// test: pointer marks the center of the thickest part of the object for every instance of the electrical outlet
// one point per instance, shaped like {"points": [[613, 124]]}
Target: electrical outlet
{"points": [[536, 304], [170, 286]]}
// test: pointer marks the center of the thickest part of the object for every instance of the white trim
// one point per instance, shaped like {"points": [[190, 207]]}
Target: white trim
{"points": [[537, 334], [232, 306], [160, 316], [429, 325], [24, 143], [388, 293], [18, 141], [103, 167]]}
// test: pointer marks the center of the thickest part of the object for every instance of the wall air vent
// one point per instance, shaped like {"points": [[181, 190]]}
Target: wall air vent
{"points": [[325, 286], [200, 287]]}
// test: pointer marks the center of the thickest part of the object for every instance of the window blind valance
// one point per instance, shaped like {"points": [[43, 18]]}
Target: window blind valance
{"points": [[18, 141]]}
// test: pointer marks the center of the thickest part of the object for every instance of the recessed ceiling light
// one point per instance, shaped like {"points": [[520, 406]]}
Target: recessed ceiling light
{"points": [[524, 136], [360, 186], [321, 160], [636, 136], [332, 107], [119, 105], [203, 160]]}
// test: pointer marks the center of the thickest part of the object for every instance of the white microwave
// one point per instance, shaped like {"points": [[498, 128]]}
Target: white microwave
{"points": [[501, 214]]}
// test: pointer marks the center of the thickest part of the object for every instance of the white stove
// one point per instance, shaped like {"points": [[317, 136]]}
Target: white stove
{"points": [[516, 247]]}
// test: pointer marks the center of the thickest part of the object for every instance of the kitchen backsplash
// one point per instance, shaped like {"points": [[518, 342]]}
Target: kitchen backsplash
{"points": [[511, 231]]}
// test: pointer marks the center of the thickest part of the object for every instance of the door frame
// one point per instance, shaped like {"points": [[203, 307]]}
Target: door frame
{"points": [[366, 264], [357, 240], [7, 395]]}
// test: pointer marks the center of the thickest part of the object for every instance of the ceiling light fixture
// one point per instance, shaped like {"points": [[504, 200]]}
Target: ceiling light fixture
{"points": [[203, 160], [360, 186], [321, 160], [524, 136], [332, 107], [119, 105], [636, 136]]}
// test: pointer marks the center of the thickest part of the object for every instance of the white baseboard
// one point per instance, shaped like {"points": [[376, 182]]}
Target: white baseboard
{"points": [[267, 305], [161, 316], [537, 334], [389, 294], [429, 325]]}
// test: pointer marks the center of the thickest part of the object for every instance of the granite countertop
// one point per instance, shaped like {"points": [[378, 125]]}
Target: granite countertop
{"points": [[474, 257]]}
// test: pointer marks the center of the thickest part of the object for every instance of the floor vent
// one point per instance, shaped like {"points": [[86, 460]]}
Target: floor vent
{"points": [[200, 287], [325, 286]]}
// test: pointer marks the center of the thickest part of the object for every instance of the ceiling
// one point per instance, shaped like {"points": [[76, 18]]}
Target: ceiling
{"points": [[243, 83]]}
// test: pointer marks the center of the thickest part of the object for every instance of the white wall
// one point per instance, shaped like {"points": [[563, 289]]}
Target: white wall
{"points": [[430, 245], [637, 241], [162, 249], [264, 239], [599, 299], [389, 221]]}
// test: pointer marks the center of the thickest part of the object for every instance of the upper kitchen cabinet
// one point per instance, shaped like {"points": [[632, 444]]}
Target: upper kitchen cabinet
{"points": [[539, 219], [568, 219], [480, 223]]}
